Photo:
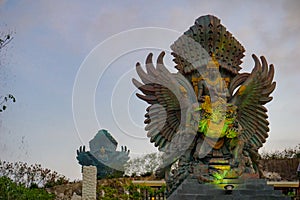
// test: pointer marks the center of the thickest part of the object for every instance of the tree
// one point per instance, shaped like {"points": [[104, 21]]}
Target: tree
{"points": [[4, 41], [4, 99], [143, 165], [31, 175], [286, 153], [11, 190]]}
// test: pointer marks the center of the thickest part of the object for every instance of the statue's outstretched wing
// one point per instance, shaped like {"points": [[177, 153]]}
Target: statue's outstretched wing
{"points": [[250, 99], [170, 97]]}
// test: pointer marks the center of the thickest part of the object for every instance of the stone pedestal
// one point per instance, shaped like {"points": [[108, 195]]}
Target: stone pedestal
{"points": [[89, 182], [256, 189]]}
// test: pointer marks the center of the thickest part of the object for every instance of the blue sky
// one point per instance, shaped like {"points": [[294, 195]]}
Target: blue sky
{"points": [[55, 41]]}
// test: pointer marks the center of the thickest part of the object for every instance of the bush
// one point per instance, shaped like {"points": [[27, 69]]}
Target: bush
{"points": [[119, 189], [143, 165], [31, 175], [286, 153], [14, 191]]}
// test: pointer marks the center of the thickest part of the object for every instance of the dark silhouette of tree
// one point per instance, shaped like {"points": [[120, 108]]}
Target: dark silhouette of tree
{"points": [[5, 99], [143, 165], [286, 153], [4, 41], [33, 175]]}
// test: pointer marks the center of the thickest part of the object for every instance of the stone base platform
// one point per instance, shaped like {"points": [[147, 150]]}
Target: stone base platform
{"points": [[257, 189]]}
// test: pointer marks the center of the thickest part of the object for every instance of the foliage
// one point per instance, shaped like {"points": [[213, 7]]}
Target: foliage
{"points": [[4, 99], [146, 164], [116, 189], [12, 190], [4, 40], [31, 175], [136, 191], [286, 153]]}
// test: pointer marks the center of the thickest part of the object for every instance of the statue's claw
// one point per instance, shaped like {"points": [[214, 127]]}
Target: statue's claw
{"points": [[80, 150], [125, 150]]}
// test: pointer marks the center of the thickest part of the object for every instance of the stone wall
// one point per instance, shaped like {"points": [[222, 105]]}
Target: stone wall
{"points": [[78, 191], [69, 191]]}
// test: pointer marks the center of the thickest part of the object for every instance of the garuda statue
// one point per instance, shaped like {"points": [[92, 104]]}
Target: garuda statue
{"points": [[103, 155], [208, 119]]}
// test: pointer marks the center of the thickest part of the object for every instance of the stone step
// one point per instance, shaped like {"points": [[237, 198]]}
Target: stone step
{"points": [[208, 190], [205, 191], [255, 187], [257, 192], [225, 197], [244, 189]]}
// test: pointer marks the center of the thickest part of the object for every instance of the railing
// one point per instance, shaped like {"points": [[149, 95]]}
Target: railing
{"points": [[157, 190], [288, 188]]}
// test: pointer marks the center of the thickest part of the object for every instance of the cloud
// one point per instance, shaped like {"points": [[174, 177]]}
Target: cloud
{"points": [[2, 2], [292, 17], [112, 21]]}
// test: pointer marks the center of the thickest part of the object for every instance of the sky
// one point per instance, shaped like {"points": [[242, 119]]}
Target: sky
{"points": [[70, 66]]}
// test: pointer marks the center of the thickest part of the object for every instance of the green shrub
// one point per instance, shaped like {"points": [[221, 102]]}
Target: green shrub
{"points": [[31, 175], [13, 191], [120, 189]]}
